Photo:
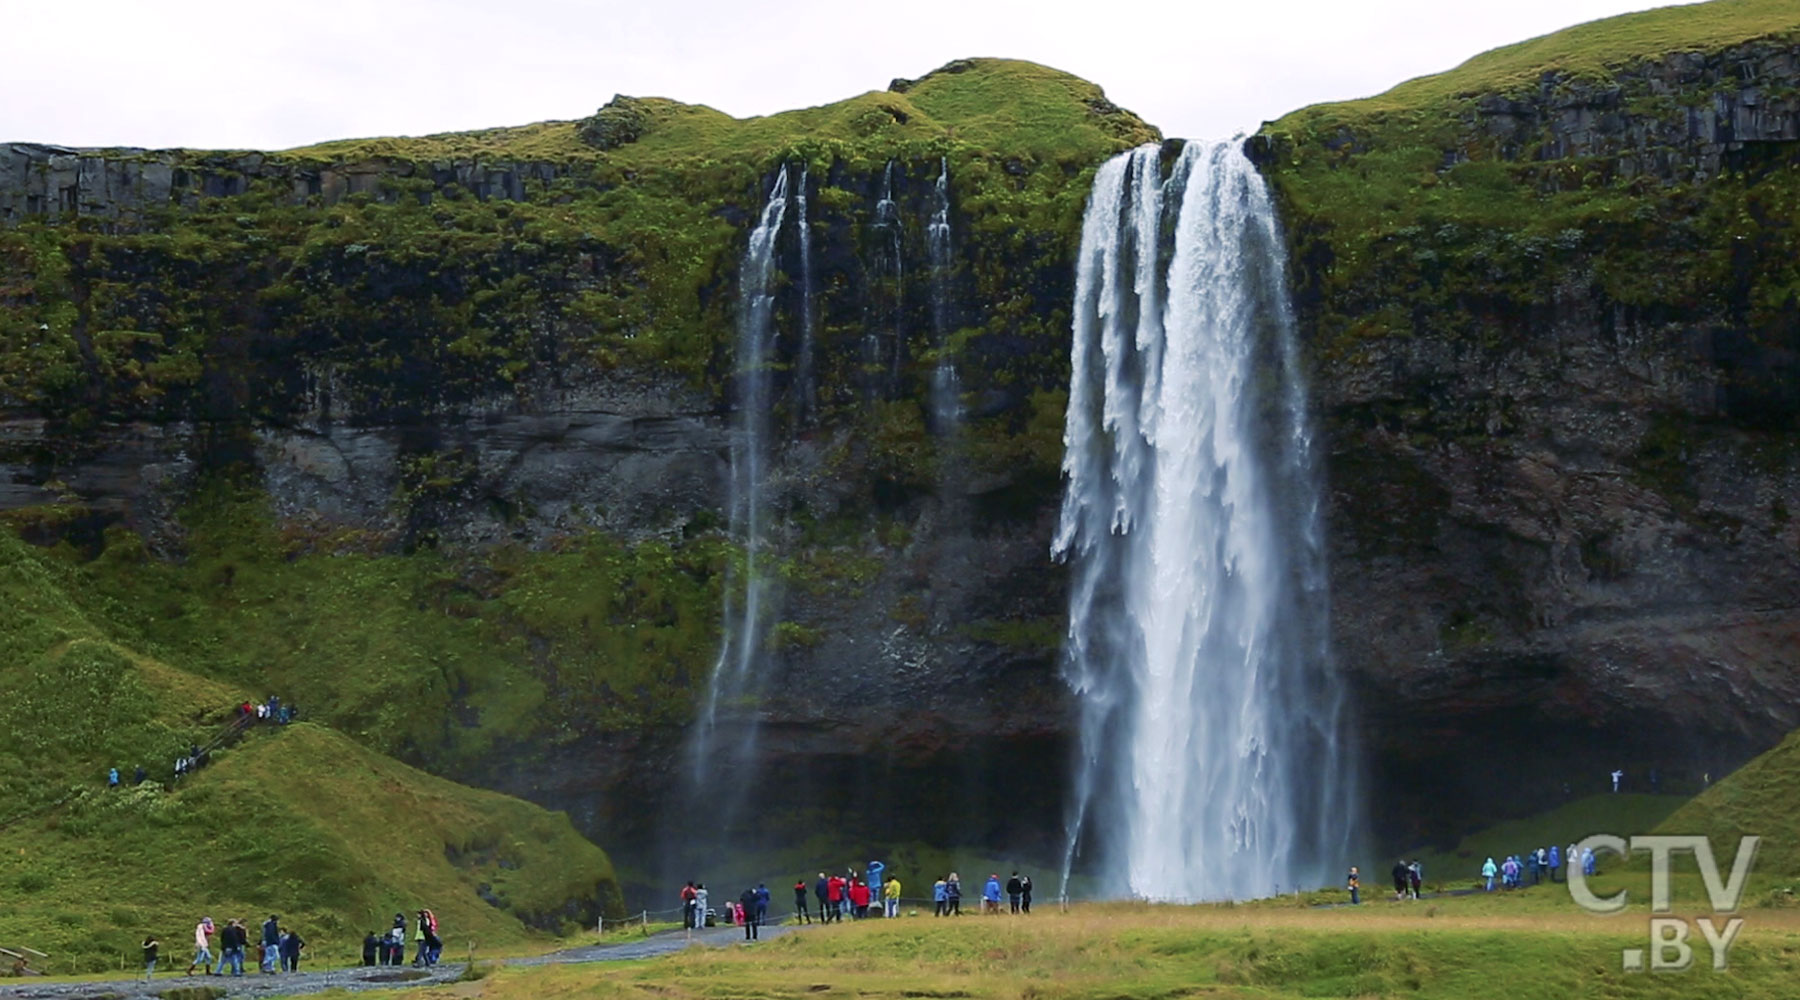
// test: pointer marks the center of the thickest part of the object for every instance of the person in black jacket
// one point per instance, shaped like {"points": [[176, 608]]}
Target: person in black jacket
{"points": [[371, 945], [290, 951], [748, 899], [800, 901], [1025, 893], [271, 944], [1014, 890]]}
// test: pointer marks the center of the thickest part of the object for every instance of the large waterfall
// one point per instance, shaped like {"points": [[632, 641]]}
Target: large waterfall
{"points": [[1213, 757], [946, 386]]}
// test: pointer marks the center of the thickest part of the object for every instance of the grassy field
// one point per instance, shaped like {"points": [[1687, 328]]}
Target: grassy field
{"points": [[1523, 947]]}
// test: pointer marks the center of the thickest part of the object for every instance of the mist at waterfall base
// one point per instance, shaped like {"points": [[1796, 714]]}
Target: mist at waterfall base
{"points": [[1213, 759]]}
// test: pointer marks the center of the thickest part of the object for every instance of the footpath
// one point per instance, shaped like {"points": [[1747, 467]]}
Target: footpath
{"points": [[362, 979]]}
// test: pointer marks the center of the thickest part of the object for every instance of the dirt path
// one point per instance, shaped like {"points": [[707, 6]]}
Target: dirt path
{"points": [[359, 980]]}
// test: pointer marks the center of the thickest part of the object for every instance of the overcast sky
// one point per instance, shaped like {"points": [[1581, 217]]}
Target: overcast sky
{"points": [[235, 74]]}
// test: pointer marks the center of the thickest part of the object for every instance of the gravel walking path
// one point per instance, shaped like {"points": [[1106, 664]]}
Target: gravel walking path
{"points": [[362, 979]]}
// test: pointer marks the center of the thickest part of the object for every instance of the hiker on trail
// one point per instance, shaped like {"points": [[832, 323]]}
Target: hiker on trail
{"points": [[700, 897], [232, 941], [1555, 863], [822, 889], [834, 888], [890, 894], [150, 946], [953, 895], [747, 905], [762, 903], [1025, 892], [1353, 882], [434, 943], [112, 778], [1402, 879], [290, 951], [1488, 871], [990, 894], [687, 905], [203, 957], [800, 901], [1013, 891], [371, 945], [940, 898], [1416, 877], [1616, 776], [271, 940]]}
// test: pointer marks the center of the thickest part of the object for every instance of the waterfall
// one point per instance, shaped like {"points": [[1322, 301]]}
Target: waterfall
{"points": [[805, 384], [946, 387], [746, 587], [1214, 761], [890, 264]]}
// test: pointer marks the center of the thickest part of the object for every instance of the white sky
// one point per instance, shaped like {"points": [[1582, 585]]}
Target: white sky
{"points": [[249, 74]]}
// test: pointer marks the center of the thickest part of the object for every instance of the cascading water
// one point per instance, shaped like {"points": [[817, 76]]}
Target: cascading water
{"points": [[805, 384], [891, 267], [946, 387], [1214, 762], [745, 591]]}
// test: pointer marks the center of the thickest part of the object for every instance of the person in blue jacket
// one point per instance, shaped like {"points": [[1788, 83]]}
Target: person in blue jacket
{"points": [[990, 895], [1555, 862], [762, 904]]}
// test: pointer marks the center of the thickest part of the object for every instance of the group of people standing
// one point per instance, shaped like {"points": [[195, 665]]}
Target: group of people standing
{"points": [[1538, 864], [390, 948], [858, 895], [278, 948]]}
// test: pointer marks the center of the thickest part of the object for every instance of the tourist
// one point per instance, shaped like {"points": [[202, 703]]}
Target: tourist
{"points": [[953, 895], [1588, 866], [687, 905], [747, 907], [112, 778], [1402, 878], [859, 899], [1013, 891], [890, 894], [232, 942], [150, 946], [1555, 863], [290, 951], [1531, 865], [835, 887], [421, 942], [800, 901], [371, 948], [822, 889], [397, 941], [849, 903], [140, 776], [1025, 892], [271, 939], [434, 943], [1617, 775], [700, 898], [876, 875], [1353, 882], [940, 898], [1416, 877], [990, 894], [762, 904], [1488, 871], [203, 957]]}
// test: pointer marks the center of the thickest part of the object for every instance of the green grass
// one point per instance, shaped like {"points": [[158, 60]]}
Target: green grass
{"points": [[1758, 799], [301, 821], [1622, 815]]}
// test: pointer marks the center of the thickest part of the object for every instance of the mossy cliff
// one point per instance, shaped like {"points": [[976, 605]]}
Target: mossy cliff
{"points": [[434, 432], [1551, 297]]}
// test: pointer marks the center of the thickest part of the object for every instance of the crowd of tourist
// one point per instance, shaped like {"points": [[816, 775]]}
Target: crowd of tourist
{"points": [[855, 895], [197, 756], [278, 948]]}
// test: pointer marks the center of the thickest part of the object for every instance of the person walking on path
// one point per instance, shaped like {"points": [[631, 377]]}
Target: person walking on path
{"points": [[1415, 874], [940, 898], [271, 941], [890, 894], [990, 894], [150, 947], [747, 902], [953, 895], [1488, 871], [687, 905], [1353, 882], [203, 956], [1402, 878], [1025, 893], [1013, 891], [290, 951], [800, 901]]}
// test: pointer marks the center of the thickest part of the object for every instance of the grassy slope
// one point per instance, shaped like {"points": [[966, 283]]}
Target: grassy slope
{"points": [[300, 821], [1758, 799], [1623, 815]]}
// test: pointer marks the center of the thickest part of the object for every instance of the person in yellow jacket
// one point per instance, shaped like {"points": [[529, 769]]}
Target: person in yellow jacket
{"points": [[890, 894]]}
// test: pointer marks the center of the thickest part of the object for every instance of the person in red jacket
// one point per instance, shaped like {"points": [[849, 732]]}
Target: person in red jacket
{"points": [[834, 895], [859, 898]]}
